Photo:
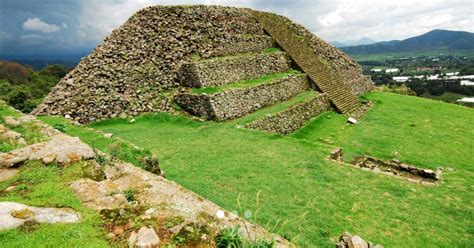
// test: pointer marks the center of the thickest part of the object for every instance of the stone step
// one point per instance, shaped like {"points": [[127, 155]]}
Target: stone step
{"points": [[318, 70], [294, 117], [225, 70], [236, 102]]}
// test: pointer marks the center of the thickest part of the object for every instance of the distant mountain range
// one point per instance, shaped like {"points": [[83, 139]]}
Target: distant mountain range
{"points": [[40, 61], [362, 41], [433, 40]]}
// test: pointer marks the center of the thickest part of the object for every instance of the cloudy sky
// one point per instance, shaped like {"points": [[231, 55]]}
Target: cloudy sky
{"points": [[68, 26]]}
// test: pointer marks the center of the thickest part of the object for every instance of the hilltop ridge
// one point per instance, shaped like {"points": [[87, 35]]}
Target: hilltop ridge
{"points": [[435, 39]]}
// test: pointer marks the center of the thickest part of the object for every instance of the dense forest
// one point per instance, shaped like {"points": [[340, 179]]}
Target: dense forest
{"points": [[23, 87]]}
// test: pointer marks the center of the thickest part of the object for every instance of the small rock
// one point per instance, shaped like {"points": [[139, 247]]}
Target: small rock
{"points": [[67, 117], [404, 166], [352, 120], [111, 236], [3, 129], [150, 211], [11, 135], [132, 121], [118, 230], [428, 171], [357, 242], [10, 188], [11, 121], [146, 237], [108, 135], [49, 158], [21, 141], [6, 174], [346, 240], [337, 155]]}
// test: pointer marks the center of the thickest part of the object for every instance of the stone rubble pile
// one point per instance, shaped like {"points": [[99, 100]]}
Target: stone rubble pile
{"points": [[135, 69], [128, 73]]}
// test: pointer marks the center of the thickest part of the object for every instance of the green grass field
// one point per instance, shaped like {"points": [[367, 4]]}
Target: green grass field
{"points": [[311, 200]]}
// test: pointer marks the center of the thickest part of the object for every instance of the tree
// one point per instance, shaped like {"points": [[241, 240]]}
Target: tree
{"points": [[13, 72], [58, 71]]}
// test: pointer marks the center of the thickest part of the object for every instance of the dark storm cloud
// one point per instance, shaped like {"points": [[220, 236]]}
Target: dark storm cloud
{"points": [[52, 26]]}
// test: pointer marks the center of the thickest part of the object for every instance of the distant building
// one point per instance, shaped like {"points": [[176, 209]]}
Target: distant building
{"points": [[401, 79], [391, 70], [467, 83], [466, 99], [452, 73], [376, 70], [423, 68], [433, 77]]}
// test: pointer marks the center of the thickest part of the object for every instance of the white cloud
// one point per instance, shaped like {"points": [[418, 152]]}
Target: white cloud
{"points": [[36, 24], [331, 19]]}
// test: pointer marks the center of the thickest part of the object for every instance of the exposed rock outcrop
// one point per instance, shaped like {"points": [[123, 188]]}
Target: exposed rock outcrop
{"points": [[61, 148], [14, 214]]}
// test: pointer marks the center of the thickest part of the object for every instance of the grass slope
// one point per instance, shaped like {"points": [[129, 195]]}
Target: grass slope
{"points": [[311, 200]]}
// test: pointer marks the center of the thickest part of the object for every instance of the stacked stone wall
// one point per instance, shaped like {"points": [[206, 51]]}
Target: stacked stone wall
{"points": [[232, 69], [237, 102], [293, 118]]}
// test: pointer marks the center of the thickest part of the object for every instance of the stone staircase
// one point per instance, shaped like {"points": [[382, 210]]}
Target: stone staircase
{"points": [[262, 89], [317, 70]]}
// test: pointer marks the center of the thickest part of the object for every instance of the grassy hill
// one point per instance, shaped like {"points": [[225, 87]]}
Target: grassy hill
{"points": [[286, 183]]}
